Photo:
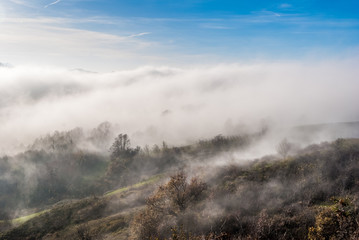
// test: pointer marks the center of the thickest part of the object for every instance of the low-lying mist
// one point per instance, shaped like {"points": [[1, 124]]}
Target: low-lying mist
{"points": [[177, 105]]}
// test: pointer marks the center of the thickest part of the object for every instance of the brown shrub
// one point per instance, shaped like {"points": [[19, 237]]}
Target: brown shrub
{"points": [[167, 207], [338, 221]]}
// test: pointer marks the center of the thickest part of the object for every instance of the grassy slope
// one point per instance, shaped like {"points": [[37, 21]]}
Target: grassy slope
{"points": [[151, 180], [111, 214], [106, 215], [23, 219]]}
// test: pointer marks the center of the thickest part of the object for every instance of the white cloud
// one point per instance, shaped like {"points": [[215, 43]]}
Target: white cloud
{"points": [[23, 3], [285, 5], [53, 3], [211, 25], [139, 34], [52, 41], [272, 13], [199, 102]]}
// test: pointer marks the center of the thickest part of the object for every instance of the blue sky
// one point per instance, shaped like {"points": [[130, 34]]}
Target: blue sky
{"points": [[150, 32]]}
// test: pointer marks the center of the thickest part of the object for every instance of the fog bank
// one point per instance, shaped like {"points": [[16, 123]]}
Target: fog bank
{"points": [[177, 105]]}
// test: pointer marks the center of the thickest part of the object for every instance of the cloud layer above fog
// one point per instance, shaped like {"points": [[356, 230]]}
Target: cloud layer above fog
{"points": [[176, 105]]}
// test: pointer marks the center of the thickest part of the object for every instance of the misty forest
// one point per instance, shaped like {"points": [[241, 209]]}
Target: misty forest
{"points": [[179, 120], [94, 184]]}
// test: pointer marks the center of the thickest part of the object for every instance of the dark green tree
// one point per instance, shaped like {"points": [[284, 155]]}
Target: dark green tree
{"points": [[121, 147]]}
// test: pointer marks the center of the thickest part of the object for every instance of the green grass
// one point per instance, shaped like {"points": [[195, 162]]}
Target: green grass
{"points": [[21, 220], [151, 180]]}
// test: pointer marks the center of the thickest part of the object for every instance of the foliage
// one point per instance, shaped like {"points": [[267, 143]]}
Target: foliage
{"points": [[269, 198], [121, 147], [169, 203], [337, 221]]}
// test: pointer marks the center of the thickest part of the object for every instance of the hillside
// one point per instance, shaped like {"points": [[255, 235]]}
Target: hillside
{"points": [[191, 192], [325, 131]]}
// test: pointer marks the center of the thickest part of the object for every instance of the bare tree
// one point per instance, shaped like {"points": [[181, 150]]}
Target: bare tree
{"points": [[283, 148]]}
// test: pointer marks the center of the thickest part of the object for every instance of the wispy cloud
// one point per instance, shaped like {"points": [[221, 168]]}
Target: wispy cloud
{"points": [[139, 34], [56, 41], [53, 3], [211, 25], [285, 5], [22, 3], [271, 12]]}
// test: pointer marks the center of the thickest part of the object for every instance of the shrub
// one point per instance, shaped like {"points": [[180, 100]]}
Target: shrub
{"points": [[338, 221], [167, 207]]}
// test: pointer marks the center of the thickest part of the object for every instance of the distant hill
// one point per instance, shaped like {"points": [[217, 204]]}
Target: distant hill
{"points": [[6, 65], [325, 131]]}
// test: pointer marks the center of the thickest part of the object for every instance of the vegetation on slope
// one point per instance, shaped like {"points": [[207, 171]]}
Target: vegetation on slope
{"points": [[313, 195], [310, 194]]}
